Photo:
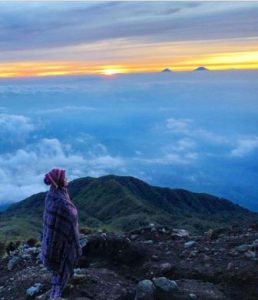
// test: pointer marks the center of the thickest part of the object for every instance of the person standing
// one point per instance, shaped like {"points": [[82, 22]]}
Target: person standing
{"points": [[60, 246]]}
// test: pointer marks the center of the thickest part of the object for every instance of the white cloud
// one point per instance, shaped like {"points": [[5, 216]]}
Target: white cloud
{"points": [[106, 161], [68, 108], [15, 128], [187, 128], [180, 152], [245, 146], [211, 136], [22, 172], [182, 145], [170, 159], [178, 125]]}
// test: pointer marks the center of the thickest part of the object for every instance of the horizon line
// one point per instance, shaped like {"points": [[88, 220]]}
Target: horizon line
{"points": [[109, 72]]}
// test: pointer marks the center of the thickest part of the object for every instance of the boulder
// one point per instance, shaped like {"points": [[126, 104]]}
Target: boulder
{"points": [[255, 244], [34, 290], [166, 267], [113, 247], [80, 270], [179, 233], [189, 244], [215, 233], [243, 248], [250, 254], [148, 242], [13, 262], [78, 278], [145, 290], [32, 250], [165, 288], [155, 257]]}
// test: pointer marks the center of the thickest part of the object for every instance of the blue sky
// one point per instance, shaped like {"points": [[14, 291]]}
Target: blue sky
{"points": [[68, 24], [137, 35], [182, 129]]}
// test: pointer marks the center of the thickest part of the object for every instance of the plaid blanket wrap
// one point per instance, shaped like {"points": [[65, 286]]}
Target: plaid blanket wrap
{"points": [[60, 237]]}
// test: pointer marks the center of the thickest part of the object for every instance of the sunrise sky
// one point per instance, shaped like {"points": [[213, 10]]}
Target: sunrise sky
{"points": [[65, 38]]}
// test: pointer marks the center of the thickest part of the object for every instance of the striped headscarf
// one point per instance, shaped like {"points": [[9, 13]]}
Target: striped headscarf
{"points": [[55, 178]]}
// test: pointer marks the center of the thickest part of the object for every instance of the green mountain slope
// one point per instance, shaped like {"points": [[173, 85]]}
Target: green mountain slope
{"points": [[123, 203]]}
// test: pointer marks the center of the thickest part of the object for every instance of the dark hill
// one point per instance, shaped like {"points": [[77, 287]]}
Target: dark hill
{"points": [[167, 70], [4, 206], [124, 203], [201, 69]]}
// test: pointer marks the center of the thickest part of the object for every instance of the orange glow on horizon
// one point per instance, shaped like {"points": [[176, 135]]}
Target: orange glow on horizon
{"points": [[219, 61], [112, 70]]}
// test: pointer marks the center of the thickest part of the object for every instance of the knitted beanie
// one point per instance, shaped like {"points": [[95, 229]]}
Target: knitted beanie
{"points": [[55, 178]]}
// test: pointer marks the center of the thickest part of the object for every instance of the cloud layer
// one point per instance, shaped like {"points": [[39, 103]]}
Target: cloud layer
{"points": [[192, 130], [22, 171]]}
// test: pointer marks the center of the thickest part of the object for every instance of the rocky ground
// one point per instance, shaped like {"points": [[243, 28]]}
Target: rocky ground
{"points": [[148, 263]]}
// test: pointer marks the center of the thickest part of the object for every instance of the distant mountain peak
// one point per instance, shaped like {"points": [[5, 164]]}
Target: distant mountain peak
{"points": [[166, 70], [201, 69]]}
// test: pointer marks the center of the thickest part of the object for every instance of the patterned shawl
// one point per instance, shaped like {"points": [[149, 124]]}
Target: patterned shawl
{"points": [[60, 238]]}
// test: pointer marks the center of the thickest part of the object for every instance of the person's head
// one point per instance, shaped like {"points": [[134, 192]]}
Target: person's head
{"points": [[56, 179]]}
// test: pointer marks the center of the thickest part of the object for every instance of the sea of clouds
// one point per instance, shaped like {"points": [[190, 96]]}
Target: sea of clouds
{"points": [[193, 130]]}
